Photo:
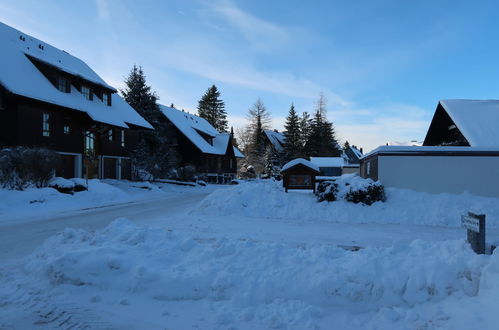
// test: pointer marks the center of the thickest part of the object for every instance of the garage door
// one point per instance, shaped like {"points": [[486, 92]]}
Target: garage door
{"points": [[110, 168], [66, 167]]}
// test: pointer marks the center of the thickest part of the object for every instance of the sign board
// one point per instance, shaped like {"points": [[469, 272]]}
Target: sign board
{"points": [[470, 222], [475, 225], [300, 180]]}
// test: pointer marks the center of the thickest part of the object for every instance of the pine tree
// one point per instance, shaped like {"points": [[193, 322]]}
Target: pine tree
{"points": [[153, 153], [293, 146], [322, 141], [211, 108]]}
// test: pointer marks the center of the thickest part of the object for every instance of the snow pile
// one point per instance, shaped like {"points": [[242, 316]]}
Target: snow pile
{"points": [[246, 282], [267, 199], [43, 202]]}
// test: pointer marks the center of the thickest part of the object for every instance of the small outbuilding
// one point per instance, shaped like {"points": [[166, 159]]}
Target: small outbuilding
{"points": [[299, 174]]}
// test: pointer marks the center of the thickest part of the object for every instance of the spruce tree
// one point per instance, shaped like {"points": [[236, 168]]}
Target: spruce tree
{"points": [[153, 155], [305, 128], [212, 108], [293, 146], [322, 141]]}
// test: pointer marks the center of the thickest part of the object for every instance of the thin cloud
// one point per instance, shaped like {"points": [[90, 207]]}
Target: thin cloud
{"points": [[103, 12], [260, 33]]}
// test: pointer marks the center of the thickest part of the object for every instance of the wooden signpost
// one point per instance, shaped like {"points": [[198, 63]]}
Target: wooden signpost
{"points": [[475, 225]]}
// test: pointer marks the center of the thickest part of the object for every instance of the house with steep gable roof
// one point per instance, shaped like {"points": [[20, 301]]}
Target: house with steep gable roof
{"points": [[275, 139], [201, 145], [49, 98], [460, 153], [464, 123]]}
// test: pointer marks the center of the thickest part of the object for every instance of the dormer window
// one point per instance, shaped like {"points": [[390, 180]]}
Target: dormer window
{"points": [[63, 84], [106, 99], [86, 92]]}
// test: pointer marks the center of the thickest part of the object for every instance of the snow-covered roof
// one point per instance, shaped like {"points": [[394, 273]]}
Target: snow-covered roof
{"points": [[191, 125], [356, 151], [327, 161], [276, 138], [476, 119], [300, 161], [430, 149], [20, 76]]}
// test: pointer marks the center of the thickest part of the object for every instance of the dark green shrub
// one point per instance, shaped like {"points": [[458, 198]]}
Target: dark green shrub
{"points": [[374, 192], [327, 191]]}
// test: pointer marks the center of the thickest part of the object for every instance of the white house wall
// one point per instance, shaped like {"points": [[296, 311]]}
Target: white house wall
{"points": [[437, 174]]}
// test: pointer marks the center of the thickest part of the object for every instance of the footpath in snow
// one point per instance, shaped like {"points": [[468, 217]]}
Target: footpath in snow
{"points": [[38, 204]]}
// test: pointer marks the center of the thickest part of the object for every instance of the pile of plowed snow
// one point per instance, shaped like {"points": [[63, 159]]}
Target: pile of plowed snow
{"points": [[131, 269], [267, 199]]}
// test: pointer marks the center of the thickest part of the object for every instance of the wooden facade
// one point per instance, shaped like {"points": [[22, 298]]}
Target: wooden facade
{"points": [[23, 123], [443, 131], [205, 163], [50, 98]]}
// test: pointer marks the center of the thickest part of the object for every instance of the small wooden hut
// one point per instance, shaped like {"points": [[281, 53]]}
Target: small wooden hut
{"points": [[299, 174]]}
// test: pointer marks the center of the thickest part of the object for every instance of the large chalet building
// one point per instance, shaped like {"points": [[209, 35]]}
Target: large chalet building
{"points": [[201, 145], [49, 98]]}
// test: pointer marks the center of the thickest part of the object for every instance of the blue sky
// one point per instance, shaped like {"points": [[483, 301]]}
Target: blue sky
{"points": [[383, 65]]}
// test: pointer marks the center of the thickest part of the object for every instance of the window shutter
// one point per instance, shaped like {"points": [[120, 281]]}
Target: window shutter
{"points": [[68, 86], [90, 95]]}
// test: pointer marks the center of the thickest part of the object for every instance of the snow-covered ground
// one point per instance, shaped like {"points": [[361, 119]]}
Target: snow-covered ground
{"points": [[253, 257], [38, 204]]}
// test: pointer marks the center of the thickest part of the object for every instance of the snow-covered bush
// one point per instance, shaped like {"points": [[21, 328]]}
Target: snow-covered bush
{"points": [[79, 184], [186, 173], [326, 191], [62, 185], [21, 167], [373, 192], [351, 188]]}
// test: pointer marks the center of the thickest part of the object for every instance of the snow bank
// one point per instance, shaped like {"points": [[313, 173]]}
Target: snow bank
{"points": [[282, 284], [45, 202], [267, 199]]}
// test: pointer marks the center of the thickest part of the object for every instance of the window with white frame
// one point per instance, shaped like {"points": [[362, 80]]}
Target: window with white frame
{"points": [[46, 124], [122, 138], [87, 93], [63, 84], [368, 168], [105, 98], [89, 142], [110, 135]]}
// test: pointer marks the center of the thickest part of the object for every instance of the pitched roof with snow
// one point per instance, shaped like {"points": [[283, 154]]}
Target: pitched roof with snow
{"points": [[192, 126], [476, 119], [300, 161], [327, 161], [277, 139], [20, 76]]}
